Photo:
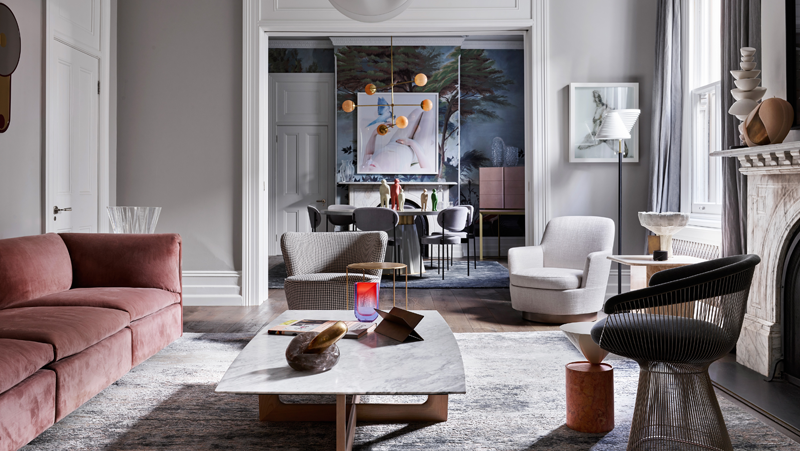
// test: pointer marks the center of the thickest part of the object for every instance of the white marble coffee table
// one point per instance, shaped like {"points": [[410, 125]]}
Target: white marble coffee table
{"points": [[373, 365]]}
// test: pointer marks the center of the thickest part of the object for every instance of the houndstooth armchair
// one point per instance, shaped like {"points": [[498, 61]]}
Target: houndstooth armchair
{"points": [[316, 264]]}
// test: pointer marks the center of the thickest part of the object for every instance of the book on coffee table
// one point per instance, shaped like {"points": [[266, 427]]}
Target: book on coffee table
{"points": [[355, 329]]}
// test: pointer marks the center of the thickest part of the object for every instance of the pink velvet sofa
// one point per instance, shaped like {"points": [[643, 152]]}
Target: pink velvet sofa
{"points": [[77, 312]]}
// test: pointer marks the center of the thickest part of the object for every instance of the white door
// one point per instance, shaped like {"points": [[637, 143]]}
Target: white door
{"points": [[302, 152], [73, 141], [302, 177]]}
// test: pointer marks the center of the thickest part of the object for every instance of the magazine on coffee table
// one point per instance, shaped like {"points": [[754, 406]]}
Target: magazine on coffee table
{"points": [[355, 329]]}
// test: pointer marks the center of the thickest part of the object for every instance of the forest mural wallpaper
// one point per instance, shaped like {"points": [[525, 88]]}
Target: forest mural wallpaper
{"points": [[480, 120]]}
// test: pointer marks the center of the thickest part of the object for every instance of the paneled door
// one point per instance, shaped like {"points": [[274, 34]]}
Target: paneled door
{"points": [[301, 151], [302, 177], [73, 140]]}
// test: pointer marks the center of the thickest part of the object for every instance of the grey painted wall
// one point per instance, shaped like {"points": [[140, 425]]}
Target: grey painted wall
{"points": [[180, 123], [599, 42], [21, 146]]}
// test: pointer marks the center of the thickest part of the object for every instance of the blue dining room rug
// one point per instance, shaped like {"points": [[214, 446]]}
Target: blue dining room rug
{"points": [[489, 274]]}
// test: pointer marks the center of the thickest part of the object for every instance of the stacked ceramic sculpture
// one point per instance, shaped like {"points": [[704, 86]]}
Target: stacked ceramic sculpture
{"points": [[747, 92]]}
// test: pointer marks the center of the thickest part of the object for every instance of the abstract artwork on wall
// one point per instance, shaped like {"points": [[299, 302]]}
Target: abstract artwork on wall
{"points": [[409, 150], [10, 45], [588, 105]]}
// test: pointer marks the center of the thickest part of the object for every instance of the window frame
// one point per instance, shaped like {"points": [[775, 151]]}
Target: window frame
{"points": [[708, 224], [704, 210]]}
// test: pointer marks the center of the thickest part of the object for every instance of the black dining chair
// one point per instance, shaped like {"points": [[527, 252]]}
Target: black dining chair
{"points": [[452, 221], [343, 221], [686, 319], [468, 233], [378, 219], [315, 217]]}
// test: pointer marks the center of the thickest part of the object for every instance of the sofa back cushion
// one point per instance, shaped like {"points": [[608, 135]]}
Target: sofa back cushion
{"points": [[125, 260], [33, 266]]}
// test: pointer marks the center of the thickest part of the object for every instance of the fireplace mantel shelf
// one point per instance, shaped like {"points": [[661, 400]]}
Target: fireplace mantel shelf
{"points": [[401, 183], [781, 158]]}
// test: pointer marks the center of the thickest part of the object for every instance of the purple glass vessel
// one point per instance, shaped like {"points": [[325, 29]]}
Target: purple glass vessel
{"points": [[366, 301]]}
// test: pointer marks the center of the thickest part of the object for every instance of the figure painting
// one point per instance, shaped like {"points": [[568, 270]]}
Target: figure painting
{"points": [[410, 150], [589, 104]]}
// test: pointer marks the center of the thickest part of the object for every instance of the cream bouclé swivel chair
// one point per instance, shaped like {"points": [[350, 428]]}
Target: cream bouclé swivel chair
{"points": [[564, 279]]}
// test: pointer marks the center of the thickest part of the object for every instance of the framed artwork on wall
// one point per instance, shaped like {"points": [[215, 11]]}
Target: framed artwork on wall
{"points": [[410, 150], [588, 105]]}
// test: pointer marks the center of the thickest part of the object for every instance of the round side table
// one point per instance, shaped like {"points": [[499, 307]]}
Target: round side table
{"points": [[364, 267], [590, 397]]}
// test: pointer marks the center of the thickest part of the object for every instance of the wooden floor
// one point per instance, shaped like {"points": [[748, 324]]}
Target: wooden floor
{"points": [[465, 310]]}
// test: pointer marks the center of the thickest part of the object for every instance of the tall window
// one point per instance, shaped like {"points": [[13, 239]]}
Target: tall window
{"points": [[703, 73]]}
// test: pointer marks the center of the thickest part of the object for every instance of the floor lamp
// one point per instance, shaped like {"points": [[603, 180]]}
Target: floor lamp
{"points": [[618, 125]]}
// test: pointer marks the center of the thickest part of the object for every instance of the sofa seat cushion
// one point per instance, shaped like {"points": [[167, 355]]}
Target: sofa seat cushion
{"points": [[69, 330], [20, 359], [138, 302], [548, 278]]}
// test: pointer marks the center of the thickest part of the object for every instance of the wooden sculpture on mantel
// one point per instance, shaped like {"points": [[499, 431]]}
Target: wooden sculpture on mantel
{"points": [[423, 199], [384, 192], [768, 123]]}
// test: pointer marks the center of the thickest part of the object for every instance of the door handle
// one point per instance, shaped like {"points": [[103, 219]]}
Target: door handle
{"points": [[321, 200], [56, 209]]}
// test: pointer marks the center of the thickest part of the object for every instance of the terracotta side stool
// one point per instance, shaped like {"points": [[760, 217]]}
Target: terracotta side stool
{"points": [[590, 397], [590, 385]]}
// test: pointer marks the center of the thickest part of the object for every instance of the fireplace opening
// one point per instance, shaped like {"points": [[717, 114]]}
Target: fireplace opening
{"points": [[790, 314]]}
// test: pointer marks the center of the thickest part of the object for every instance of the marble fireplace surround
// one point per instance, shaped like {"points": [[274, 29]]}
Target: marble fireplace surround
{"points": [[773, 215]]}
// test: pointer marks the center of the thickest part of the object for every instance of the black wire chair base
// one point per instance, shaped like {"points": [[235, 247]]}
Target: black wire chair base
{"points": [[676, 409]]}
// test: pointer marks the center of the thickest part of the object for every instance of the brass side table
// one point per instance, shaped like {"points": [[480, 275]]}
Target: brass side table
{"points": [[364, 267]]}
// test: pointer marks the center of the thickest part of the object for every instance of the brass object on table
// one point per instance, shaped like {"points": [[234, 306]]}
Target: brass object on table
{"points": [[327, 337]]}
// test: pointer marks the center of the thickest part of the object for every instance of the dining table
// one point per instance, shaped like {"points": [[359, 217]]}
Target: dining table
{"points": [[407, 235]]}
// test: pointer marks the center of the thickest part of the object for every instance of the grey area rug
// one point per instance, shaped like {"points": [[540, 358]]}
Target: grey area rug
{"points": [[515, 401], [489, 274]]}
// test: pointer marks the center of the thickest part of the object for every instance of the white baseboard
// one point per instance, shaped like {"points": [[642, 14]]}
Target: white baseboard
{"points": [[218, 288], [611, 288]]}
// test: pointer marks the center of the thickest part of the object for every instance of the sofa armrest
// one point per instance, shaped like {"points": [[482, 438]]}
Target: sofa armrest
{"points": [[125, 260], [595, 274], [520, 258]]}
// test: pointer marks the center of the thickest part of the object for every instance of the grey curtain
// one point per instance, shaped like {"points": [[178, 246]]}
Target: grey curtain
{"points": [[665, 166], [741, 27]]}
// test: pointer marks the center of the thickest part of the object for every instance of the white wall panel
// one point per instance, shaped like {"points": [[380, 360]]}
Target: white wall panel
{"points": [[419, 11], [77, 22]]}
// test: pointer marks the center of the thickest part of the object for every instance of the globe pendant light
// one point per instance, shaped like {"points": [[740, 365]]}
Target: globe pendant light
{"points": [[370, 10], [400, 121]]}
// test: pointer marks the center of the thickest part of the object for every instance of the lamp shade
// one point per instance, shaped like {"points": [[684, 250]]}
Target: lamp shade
{"points": [[613, 127], [629, 117]]}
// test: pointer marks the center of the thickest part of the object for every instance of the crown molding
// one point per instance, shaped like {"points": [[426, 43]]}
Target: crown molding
{"points": [[300, 44], [454, 41], [493, 45]]}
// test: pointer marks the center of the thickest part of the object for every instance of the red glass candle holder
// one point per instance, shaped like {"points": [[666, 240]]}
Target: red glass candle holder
{"points": [[366, 301]]}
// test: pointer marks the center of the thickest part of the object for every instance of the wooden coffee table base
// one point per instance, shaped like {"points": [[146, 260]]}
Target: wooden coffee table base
{"points": [[271, 408]]}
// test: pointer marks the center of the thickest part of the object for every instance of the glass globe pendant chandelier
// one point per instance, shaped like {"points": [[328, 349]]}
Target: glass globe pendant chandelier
{"points": [[348, 106]]}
